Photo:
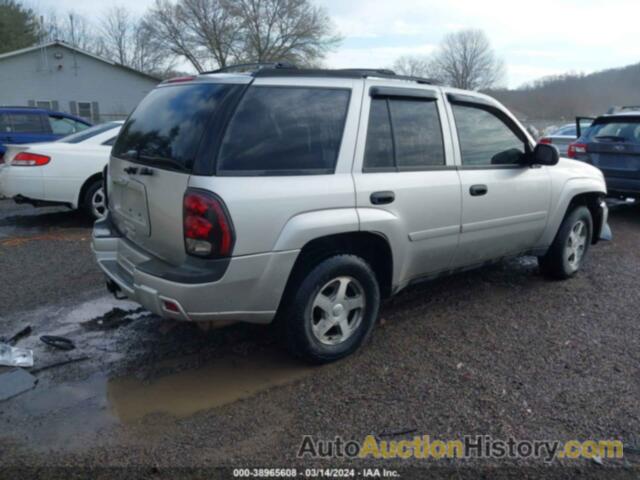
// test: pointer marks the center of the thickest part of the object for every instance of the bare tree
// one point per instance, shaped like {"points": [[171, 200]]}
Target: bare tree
{"points": [[129, 42], [73, 29], [171, 34], [217, 33], [466, 60], [291, 30], [214, 28], [413, 66]]}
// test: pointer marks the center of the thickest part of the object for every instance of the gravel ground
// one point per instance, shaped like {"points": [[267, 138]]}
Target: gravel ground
{"points": [[499, 351]]}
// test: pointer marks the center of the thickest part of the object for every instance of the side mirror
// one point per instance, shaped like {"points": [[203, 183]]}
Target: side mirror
{"points": [[545, 154]]}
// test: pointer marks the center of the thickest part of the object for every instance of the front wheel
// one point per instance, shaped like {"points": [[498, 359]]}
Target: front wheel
{"points": [[569, 249], [333, 310]]}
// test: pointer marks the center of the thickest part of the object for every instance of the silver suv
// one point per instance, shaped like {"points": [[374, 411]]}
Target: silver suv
{"points": [[307, 196]]}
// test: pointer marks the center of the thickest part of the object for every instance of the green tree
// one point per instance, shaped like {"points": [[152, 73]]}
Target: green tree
{"points": [[18, 26]]}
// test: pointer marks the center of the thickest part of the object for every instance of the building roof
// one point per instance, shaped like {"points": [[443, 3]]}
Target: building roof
{"points": [[58, 43]]}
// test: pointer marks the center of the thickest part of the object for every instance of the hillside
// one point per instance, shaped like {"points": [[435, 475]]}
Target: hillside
{"points": [[554, 99]]}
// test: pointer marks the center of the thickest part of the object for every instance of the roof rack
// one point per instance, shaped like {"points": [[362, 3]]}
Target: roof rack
{"points": [[287, 69], [252, 67], [339, 73]]}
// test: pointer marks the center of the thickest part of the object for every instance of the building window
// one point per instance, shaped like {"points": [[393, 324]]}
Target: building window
{"points": [[84, 110]]}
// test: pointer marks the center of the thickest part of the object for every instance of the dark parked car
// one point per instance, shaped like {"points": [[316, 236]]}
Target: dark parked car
{"points": [[612, 143], [29, 125]]}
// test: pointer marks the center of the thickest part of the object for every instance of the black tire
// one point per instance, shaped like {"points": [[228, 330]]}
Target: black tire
{"points": [[87, 199], [556, 264], [299, 314]]}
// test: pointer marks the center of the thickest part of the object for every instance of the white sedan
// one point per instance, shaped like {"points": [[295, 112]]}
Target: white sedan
{"points": [[65, 172]]}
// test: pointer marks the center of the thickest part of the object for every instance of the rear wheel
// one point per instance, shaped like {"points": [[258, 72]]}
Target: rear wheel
{"points": [[332, 311], [95, 202], [569, 249]]}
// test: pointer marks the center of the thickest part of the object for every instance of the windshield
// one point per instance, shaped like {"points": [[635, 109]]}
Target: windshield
{"points": [[166, 127], [616, 130], [89, 133]]}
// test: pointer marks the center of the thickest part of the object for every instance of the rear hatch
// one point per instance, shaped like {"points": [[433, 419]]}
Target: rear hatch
{"points": [[156, 152], [613, 145]]}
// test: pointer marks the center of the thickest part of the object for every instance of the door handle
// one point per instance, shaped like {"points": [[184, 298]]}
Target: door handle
{"points": [[131, 170], [382, 198], [478, 190]]}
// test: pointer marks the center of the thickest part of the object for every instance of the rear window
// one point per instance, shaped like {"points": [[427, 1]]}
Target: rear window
{"points": [[89, 133], [615, 130], [284, 131], [167, 126]]}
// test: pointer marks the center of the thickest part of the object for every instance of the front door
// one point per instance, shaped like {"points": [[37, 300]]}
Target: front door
{"points": [[505, 201]]}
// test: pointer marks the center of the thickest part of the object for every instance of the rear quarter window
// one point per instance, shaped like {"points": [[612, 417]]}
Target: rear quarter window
{"points": [[284, 131]]}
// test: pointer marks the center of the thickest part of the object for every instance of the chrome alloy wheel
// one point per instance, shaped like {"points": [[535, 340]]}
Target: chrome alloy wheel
{"points": [[98, 204], [576, 244], [337, 310]]}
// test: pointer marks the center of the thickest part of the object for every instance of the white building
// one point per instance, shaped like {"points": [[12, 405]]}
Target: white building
{"points": [[60, 77]]}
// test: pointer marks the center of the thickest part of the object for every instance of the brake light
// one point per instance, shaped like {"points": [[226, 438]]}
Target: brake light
{"points": [[545, 140], [26, 159], [576, 149], [208, 231], [180, 79]]}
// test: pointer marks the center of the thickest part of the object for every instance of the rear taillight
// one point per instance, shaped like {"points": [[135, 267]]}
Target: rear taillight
{"points": [[26, 159], [208, 231], [545, 140], [576, 149]]}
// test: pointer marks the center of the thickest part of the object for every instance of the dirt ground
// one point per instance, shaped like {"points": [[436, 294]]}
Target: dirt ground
{"points": [[499, 351]]}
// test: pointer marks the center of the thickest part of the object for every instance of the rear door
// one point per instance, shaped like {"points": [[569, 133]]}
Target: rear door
{"points": [[505, 202], [404, 167], [153, 158]]}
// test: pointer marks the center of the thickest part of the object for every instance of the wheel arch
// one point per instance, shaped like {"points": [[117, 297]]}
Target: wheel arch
{"points": [[374, 248], [88, 182], [579, 191]]}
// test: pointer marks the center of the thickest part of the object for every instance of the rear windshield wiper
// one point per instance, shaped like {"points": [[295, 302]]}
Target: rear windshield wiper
{"points": [[163, 161], [615, 138]]}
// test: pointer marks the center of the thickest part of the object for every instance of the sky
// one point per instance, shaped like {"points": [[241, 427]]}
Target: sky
{"points": [[535, 39]]}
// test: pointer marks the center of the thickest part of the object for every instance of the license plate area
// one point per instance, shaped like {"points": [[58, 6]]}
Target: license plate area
{"points": [[129, 204]]}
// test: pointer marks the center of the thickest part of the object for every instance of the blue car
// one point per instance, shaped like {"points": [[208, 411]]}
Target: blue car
{"points": [[29, 125], [612, 143]]}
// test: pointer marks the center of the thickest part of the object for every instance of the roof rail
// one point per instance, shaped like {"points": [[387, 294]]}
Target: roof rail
{"points": [[252, 67], [339, 73]]}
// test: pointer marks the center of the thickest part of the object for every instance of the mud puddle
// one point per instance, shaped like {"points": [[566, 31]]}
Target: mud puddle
{"points": [[75, 416]]}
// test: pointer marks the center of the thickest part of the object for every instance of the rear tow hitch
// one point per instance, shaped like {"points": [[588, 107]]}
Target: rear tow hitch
{"points": [[115, 290]]}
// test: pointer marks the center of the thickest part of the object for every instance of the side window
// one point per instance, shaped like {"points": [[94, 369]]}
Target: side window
{"points": [[485, 139], [285, 130], [403, 134], [5, 125], [27, 123], [62, 125], [110, 142], [79, 126]]}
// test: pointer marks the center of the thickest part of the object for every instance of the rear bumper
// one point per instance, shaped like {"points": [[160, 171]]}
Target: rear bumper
{"points": [[21, 181], [249, 289], [624, 186]]}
